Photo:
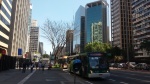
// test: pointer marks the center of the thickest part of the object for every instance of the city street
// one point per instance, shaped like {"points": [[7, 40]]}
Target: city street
{"points": [[58, 76], [125, 77]]}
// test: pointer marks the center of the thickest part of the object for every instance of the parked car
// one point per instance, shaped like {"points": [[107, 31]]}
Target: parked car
{"points": [[142, 66]]}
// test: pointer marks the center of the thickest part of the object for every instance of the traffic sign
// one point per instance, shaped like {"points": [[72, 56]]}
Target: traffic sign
{"points": [[19, 51]]}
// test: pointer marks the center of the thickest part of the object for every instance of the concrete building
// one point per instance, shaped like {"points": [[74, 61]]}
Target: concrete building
{"points": [[79, 27], [34, 37], [121, 25], [5, 17], [96, 22], [29, 26], [41, 48], [141, 25], [19, 26], [69, 42]]}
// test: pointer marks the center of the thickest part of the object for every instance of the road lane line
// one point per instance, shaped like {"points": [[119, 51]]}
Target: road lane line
{"points": [[132, 78], [123, 83], [62, 82], [112, 80], [88, 82], [26, 78]]}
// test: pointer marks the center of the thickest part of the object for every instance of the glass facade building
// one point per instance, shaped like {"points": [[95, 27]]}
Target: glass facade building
{"points": [[78, 36], [96, 22], [5, 17]]}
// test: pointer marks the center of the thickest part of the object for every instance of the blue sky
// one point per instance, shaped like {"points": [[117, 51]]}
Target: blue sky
{"points": [[55, 10]]}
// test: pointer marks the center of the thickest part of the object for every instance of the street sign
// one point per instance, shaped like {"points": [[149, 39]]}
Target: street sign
{"points": [[19, 51]]}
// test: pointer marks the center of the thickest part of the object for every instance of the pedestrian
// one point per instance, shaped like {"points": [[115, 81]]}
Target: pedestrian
{"points": [[36, 65], [32, 66], [43, 66], [39, 65], [28, 63], [49, 66], [24, 67]]}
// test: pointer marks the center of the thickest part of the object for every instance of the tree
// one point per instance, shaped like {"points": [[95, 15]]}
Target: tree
{"points": [[116, 53], [55, 33], [45, 56], [97, 47], [145, 45]]}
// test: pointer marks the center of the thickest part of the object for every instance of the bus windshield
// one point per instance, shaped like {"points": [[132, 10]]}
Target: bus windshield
{"points": [[97, 62]]}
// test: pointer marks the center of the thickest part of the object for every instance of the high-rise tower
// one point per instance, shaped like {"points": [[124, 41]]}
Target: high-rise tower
{"points": [[34, 37], [96, 22], [121, 26], [5, 20], [19, 26]]}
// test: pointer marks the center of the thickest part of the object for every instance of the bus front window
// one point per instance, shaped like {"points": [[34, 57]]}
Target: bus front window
{"points": [[94, 62], [97, 62]]}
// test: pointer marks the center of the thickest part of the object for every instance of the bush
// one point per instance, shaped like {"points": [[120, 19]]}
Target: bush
{"points": [[56, 65]]}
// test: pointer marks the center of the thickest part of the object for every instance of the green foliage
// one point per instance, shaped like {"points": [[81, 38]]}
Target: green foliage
{"points": [[116, 51], [45, 56], [34, 59], [97, 47], [56, 66], [145, 45]]}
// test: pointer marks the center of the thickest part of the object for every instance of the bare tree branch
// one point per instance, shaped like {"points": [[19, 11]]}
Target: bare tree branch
{"points": [[55, 33]]}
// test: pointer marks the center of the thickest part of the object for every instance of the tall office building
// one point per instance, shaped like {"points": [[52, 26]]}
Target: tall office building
{"points": [[19, 26], [41, 48], [79, 27], [96, 22], [141, 25], [34, 37], [69, 41], [121, 25], [5, 17], [29, 26]]}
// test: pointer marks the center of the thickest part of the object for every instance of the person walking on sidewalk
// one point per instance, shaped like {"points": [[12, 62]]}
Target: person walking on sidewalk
{"points": [[43, 66], [39, 65], [24, 67], [32, 66]]}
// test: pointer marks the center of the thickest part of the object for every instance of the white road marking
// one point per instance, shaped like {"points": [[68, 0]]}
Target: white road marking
{"points": [[88, 82], [26, 78], [62, 82], [132, 78], [123, 83], [49, 80], [112, 80]]}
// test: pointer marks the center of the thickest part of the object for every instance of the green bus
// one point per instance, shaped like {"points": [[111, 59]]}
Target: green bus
{"points": [[94, 65]]}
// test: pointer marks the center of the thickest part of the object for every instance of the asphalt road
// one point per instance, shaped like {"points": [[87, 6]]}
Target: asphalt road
{"points": [[58, 76], [124, 77]]}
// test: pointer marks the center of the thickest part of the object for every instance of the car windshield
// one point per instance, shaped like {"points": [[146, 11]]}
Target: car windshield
{"points": [[97, 62]]}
